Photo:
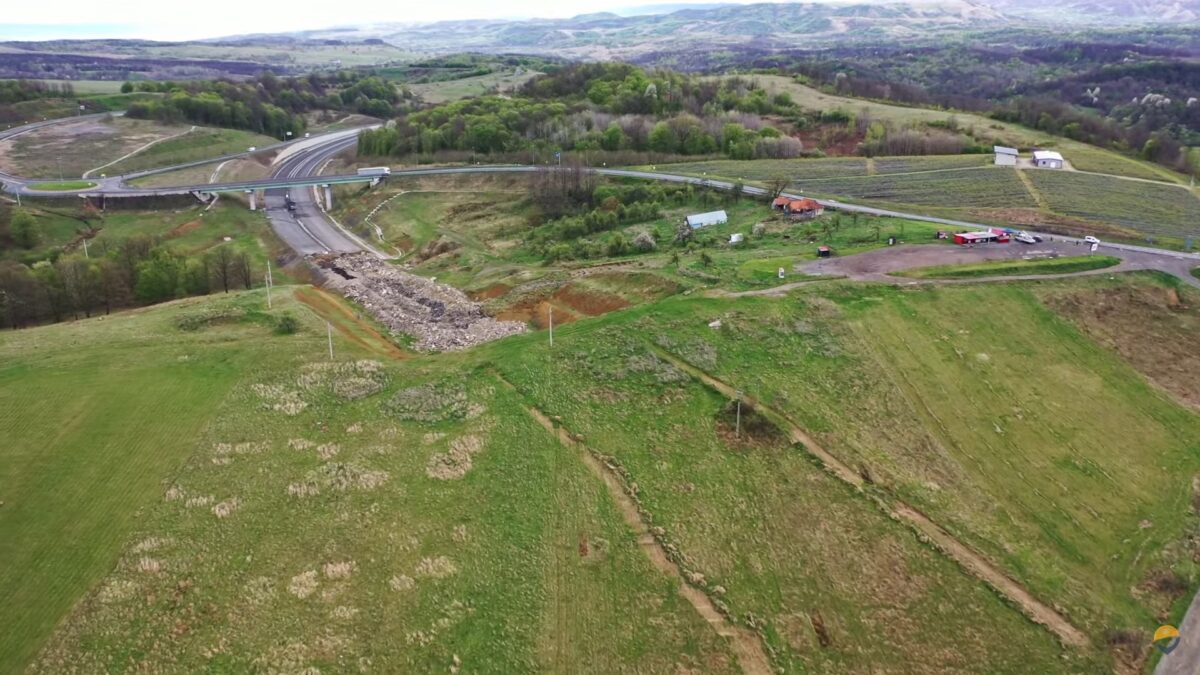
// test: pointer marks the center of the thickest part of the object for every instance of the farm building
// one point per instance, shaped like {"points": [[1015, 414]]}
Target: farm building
{"points": [[965, 238], [705, 219], [1005, 156], [780, 202], [1047, 159], [803, 208]]}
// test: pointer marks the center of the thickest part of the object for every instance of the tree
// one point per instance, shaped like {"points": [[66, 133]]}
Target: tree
{"points": [[127, 87], [158, 278], [221, 263], [777, 184], [241, 270], [706, 259], [24, 230], [663, 139]]}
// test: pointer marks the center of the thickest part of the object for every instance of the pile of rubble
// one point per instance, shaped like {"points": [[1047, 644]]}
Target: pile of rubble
{"points": [[440, 317]]}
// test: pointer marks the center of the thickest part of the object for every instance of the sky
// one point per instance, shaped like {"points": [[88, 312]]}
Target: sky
{"points": [[189, 20]]}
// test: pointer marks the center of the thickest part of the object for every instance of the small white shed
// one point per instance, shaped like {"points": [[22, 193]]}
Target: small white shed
{"points": [[1005, 156], [705, 219], [1047, 159]]}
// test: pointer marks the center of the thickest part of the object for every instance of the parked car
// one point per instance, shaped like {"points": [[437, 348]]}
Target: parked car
{"points": [[1091, 240], [1025, 238]]}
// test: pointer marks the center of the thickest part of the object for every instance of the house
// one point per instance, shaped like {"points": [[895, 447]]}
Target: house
{"points": [[1005, 156], [1047, 159], [780, 202], [803, 208], [705, 219]]}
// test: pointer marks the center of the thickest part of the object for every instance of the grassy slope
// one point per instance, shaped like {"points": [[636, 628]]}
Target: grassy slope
{"points": [[201, 143], [790, 544], [1014, 267], [191, 231], [517, 596], [91, 435]]}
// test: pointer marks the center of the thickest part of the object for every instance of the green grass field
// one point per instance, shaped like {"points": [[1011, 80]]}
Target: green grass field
{"points": [[280, 511], [63, 185], [90, 86], [91, 437], [190, 230], [1014, 267], [201, 143]]}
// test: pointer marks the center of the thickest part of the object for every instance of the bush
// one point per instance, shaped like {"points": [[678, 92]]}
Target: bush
{"points": [[286, 324]]}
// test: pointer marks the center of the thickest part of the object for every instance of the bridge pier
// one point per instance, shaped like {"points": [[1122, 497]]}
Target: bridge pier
{"points": [[328, 197], [253, 203], [375, 181]]}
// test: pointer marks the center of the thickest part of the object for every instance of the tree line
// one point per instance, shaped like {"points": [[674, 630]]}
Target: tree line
{"points": [[267, 104], [135, 272]]}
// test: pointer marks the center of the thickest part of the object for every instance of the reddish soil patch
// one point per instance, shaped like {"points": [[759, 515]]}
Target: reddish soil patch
{"points": [[339, 315], [588, 302], [537, 312], [186, 228]]}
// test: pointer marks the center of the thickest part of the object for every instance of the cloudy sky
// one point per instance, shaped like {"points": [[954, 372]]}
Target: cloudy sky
{"points": [[184, 19]]}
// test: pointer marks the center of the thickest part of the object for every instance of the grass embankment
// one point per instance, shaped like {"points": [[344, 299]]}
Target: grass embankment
{"points": [[198, 144], [1196, 272], [63, 185], [1002, 268], [91, 436]]}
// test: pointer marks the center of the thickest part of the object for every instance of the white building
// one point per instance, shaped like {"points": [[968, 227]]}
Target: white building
{"points": [[1047, 159], [705, 219], [1005, 156]]}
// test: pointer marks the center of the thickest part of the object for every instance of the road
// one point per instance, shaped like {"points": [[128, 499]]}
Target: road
{"points": [[308, 230]]}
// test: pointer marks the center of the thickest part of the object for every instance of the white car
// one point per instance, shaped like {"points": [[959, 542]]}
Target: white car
{"points": [[1025, 238], [1091, 240]]}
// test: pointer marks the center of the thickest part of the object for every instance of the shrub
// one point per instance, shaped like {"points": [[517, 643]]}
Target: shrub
{"points": [[286, 324]]}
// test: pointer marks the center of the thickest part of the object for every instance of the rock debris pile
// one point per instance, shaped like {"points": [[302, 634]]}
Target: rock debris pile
{"points": [[440, 317]]}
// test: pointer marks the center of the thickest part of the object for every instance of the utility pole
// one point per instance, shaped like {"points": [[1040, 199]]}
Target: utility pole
{"points": [[551, 307], [329, 333], [738, 429], [85, 251], [270, 282]]}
